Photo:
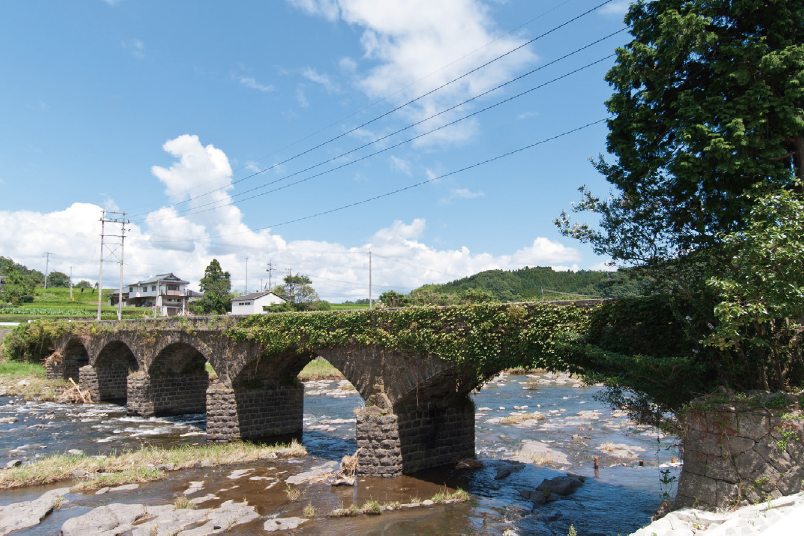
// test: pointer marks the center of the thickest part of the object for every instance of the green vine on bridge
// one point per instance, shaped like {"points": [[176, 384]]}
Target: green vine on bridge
{"points": [[486, 337]]}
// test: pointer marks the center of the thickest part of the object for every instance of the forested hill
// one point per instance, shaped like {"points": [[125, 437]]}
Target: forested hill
{"points": [[526, 284]]}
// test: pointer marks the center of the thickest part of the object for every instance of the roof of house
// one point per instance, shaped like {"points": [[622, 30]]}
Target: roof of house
{"points": [[165, 278], [255, 295]]}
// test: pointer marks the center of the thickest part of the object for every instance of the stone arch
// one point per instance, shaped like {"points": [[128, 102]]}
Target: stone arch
{"points": [[112, 366], [264, 399], [67, 360], [418, 413], [177, 380]]}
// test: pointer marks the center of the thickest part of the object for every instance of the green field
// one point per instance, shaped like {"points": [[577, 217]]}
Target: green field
{"points": [[56, 303]]}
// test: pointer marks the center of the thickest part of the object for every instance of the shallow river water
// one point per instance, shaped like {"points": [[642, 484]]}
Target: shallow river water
{"points": [[617, 499]]}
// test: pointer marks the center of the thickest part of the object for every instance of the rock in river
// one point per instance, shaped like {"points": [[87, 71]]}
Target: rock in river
{"points": [[27, 514]]}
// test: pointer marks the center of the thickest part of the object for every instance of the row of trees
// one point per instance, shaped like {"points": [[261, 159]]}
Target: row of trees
{"points": [[707, 134]]}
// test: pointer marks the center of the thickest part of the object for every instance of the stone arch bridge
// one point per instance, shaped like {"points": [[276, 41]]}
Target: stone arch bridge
{"points": [[417, 413]]}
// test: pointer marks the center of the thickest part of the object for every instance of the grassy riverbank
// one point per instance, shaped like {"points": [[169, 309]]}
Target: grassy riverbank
{"points": [[29, 380], [138, 466]]}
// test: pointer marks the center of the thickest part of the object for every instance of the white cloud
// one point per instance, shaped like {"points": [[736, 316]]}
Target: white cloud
{"points": [[603, 266], [323, 8], [460, 193], [399, 165], [136, 47], [167, 241], [110, 205], [251, 83], [314, 76], [424, 44], [348, 64], [301, 97], [526, 115], [618, 7]]}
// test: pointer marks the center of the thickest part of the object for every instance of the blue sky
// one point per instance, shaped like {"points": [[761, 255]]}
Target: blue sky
{"points": [[159, 107]]}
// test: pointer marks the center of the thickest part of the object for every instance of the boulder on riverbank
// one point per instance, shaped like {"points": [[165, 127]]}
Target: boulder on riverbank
{"points": [[27, 514], [142, 520]]}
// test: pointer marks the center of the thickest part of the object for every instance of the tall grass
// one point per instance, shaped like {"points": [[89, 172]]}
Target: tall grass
{"points": [[138, 465]]}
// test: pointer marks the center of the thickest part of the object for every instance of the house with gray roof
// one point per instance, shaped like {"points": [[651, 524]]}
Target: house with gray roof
{"points": [[255, 303]]}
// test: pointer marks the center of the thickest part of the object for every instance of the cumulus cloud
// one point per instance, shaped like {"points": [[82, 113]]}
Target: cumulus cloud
{"points": [[420, 45], [170, 240], [251, 83]]}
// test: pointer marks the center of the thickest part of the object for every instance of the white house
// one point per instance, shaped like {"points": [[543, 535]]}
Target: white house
{"points": [[168, 293], [255, 303]]}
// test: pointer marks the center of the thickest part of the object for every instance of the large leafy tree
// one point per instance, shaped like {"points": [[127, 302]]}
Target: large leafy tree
{"points": [[216, 286], [708, 101], [298, 290], [58, 279], [18, 288], [708, 105]]}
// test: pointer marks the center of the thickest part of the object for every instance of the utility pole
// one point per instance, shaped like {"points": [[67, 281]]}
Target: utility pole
{"points": [[269, 270], [100, 270], [47, 263], [123, 222], [246, 292], [71, 283], [370, 302]]}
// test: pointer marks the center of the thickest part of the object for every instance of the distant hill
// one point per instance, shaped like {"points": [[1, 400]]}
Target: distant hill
{"points": [[526, 284]]}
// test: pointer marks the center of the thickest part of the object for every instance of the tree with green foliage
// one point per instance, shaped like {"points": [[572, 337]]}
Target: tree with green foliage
{"points": [[393, 298], [58, 280], [35, 277], [216, 286], [298, 290], [708, 103], [83, 284], [18, 288], [762, 295]]}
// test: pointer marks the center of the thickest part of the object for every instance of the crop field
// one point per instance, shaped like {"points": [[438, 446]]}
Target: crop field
{"points": [[56, 303]]}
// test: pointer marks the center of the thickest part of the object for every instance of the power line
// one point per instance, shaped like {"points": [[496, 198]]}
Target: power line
{"points": [[399, 190], [401, 106], [195, 210], [398, 90]]}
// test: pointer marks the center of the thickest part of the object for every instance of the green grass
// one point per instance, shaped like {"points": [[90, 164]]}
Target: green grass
{"points": [[15, 369], [136, 466], [320, 369]]}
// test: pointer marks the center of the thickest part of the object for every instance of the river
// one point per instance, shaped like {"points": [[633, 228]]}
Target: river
{"points": [[617, 499]]}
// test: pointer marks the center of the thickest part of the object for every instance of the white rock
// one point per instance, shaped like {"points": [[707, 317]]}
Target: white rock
{"points": [[280, 523]]}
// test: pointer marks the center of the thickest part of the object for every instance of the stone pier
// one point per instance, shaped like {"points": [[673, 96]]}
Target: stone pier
{"points": [[255, 412], [413, 437]]}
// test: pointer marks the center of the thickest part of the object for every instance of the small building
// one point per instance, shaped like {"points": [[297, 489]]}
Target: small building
{"points": [[168, 293], [255, 303]]}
